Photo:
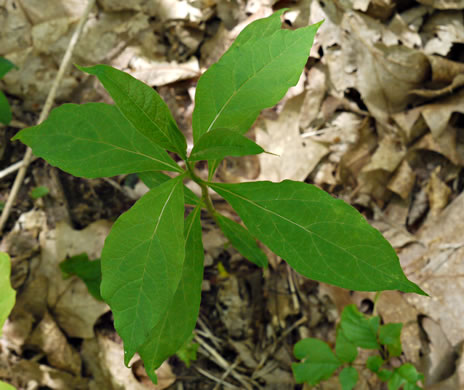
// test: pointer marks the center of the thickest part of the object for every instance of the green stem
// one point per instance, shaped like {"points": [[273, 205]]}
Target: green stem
{"points": [[204, 190]]}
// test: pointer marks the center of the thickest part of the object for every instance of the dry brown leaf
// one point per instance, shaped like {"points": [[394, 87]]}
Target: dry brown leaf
{"points": [[443, 30], [437, 192], [444, 4], [296, 156], [158, 73], [403, 181], [388, 155], [51, 340]]}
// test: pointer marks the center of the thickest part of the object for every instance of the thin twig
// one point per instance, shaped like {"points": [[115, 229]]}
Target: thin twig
{"points": [[45, 110], [213, 378]]}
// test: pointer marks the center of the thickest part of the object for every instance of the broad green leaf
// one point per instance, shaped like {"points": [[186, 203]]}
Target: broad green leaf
{"points": [[374, 363], [252, 75], [390, 335], [242, 240], [142, 263], [345, 350], [5, 110], [7, 294], [153, 179], [94, 140], [320, 237], [384, 375], [358, 329], [87, 270], [178, 322], [6, 386], [221, 143], [319, 361], [5, 66], [39, 192], [348, 378], [142, 106]]}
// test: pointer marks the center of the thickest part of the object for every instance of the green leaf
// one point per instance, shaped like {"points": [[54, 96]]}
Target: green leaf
{"points": [[358, 329], [320, 237], [188, 352], [6, 386], [221, 143], [39, 192], [178, 322], [242, 240], [142, 263], [406, 375], [385, 375], [255, 73], [142, 106], [5, 66], [94, 140], [5, 110], [89, 271], [374, 363], [7, 294], [153, 179], [348, 378], [345, 350], [390, 335], [319, 361]]}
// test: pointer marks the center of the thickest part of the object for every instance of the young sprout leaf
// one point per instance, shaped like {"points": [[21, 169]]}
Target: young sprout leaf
{"points": [[39, 192], [5, 66], [345, 350], [89, 271], [255, 73], [142, 106], [319, 361], [7, 294], [358, 329], [178, 322], [221, 143], [94, 140], [348, 378], [242, 240], [321, 237], [142, 263], [153, 179], [390, 335], [5, 110]]}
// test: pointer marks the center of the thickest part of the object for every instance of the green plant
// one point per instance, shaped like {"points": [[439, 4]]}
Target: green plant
{"points": [[354, 331], [7, 299], [152, 261], [5, 111], [39, 192]]}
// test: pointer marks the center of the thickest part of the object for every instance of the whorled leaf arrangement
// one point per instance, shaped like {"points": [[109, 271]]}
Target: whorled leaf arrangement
{"points": [[152, 262]]}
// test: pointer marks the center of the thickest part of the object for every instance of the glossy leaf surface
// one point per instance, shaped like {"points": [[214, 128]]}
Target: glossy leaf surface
{"points": [[7, 294], [319, 361], [320, 237], [255, 73], [142, 106], [221, 143], [142, 263], [154, 179], [94, 140], [178, 322], [242, 240]]}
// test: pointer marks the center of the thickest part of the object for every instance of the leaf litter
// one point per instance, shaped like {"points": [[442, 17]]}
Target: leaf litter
{"points": [[375, 121]]}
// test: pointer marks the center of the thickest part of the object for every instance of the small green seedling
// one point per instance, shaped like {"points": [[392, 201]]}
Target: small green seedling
{"points": [[5, 110], [355, 331], [39, 192], [152, 261], [7, 299], [188, 352]]}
